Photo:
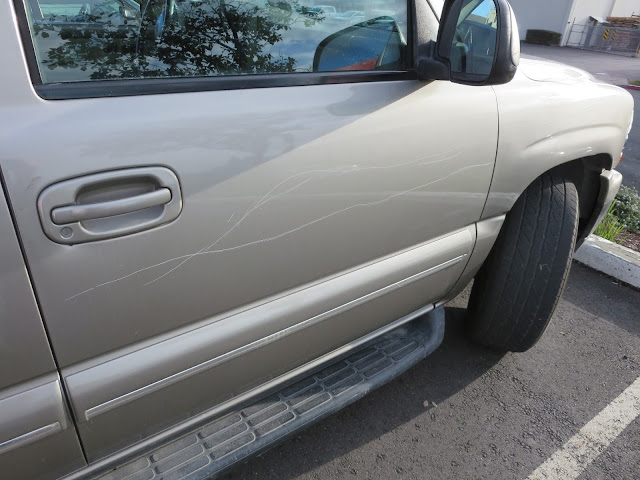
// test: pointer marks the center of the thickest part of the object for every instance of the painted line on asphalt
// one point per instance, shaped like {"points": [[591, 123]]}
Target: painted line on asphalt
{"points": [[593, 439]]}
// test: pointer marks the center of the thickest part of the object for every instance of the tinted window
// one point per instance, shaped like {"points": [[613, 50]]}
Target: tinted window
{"points": [[78, 40]]}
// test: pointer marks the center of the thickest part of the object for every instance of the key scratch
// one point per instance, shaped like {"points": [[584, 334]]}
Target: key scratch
{"points": [[268, 197]]}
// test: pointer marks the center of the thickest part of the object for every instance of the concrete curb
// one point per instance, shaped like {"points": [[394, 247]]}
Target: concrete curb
{"points": [[610, 258], [630, 87]]}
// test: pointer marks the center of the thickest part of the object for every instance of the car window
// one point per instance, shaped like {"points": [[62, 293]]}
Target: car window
{"points": [[85, 40]]}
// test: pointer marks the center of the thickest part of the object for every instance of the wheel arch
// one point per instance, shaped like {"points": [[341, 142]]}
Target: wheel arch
{"points": [[586, 174]]}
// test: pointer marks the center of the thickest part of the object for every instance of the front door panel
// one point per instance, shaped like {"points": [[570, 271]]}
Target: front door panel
{"points": [[282, 188]]}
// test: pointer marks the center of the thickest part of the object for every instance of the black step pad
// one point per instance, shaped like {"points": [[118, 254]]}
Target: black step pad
{"points": [[237, 436]]}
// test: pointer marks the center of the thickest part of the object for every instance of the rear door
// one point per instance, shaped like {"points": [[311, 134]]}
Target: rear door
{"points": [[191, 186]]}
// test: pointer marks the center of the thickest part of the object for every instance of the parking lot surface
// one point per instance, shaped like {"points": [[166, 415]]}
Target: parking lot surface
{"points": [[469, 412], [616, 69]]}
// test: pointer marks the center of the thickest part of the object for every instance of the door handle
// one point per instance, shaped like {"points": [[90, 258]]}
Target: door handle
{"points": [[110, 204], [78, 213]]}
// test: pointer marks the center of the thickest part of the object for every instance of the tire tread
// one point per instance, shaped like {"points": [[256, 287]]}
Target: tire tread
{"points": [[519, 286]]}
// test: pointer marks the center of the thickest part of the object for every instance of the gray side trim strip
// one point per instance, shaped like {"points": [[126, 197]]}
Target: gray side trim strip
{"points": [[128, 397], [30, 437]]}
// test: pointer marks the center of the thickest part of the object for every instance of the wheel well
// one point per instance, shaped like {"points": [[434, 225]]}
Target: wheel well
{"points": [[585, 174]]}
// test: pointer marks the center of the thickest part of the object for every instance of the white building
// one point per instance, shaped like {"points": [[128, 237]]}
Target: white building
{"points": [[560, 15]]}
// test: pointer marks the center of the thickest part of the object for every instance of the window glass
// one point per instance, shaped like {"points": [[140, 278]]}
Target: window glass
{"points": [[83, 40]]}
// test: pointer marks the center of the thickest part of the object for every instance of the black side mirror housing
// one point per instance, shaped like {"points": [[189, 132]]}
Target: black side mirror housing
{"points": [[478, 44]]}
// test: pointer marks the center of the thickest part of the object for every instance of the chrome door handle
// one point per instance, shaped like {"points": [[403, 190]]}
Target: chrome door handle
{"points": [[110, 204], [78, 213]]}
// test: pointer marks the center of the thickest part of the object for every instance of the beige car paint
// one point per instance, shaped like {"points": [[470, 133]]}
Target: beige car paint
{"points": [[285, 191], [281, 188], [551, 114], [34, 420]]}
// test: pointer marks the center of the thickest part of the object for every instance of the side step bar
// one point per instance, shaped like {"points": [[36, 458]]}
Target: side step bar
{"points": [[215, 447]]}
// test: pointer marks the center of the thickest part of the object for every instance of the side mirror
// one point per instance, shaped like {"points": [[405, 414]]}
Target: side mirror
{"points": [[128, 14], [376, 44], [129, 10], [478, 44]]}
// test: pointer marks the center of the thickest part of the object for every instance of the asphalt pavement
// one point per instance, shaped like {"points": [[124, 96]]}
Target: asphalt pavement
{"points": [[468, 412], [616, 69]]}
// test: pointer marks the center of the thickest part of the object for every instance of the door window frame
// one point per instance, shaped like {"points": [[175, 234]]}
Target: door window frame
{"points": [[155, 86]]}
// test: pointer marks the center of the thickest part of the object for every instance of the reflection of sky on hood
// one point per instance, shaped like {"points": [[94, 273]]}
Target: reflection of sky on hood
{"points": [[299, 41]]}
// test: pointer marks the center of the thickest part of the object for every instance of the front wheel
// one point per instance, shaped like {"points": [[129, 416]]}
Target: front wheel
{"points": [[517, 289]]}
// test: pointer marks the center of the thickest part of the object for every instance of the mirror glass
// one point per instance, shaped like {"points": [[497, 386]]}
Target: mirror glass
{"points": [[474, 43], [376, 44]]}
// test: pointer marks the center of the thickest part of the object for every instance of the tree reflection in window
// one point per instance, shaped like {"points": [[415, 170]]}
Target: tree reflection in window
{"points": [[116, 39]]}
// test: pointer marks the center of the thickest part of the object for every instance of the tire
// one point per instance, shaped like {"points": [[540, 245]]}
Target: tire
{"points": [[517, 289]]}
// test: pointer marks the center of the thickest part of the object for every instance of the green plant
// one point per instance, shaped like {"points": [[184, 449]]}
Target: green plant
{"points": [[610, 227], [543, 37], [635, 82], [627, 208]]}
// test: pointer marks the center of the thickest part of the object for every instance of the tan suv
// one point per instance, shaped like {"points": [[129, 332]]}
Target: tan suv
{"points": [[222, 220]]}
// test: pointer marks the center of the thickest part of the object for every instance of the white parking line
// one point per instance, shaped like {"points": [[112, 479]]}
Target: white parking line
{"points": [[594, 438]]}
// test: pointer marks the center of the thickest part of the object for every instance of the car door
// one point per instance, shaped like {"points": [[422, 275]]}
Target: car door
{"points": [[38, 439], [201, 216]]}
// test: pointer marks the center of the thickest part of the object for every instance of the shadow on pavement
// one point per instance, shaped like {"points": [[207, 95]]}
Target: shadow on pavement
{"points": [[412, 394], [616, 303]]}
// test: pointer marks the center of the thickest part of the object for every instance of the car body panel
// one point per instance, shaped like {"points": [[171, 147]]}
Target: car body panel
{"points": [[486, 235], [337, 199], [312, 217], [282, 189], [551, 114], [24, 349], [143, 390], [33, 413], [38, 439]]}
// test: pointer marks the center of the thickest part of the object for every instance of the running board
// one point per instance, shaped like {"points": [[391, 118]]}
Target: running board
{"points": [[234, 438]]}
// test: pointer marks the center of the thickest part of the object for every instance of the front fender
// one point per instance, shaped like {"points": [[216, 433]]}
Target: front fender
{"points": [[546, 124]]}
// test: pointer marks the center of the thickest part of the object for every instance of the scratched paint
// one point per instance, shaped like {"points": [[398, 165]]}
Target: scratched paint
{"points": [[269, 196]]}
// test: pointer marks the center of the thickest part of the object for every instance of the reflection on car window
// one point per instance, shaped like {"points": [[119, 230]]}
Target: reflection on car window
{"points": [[474, 45], [83, 40]]}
